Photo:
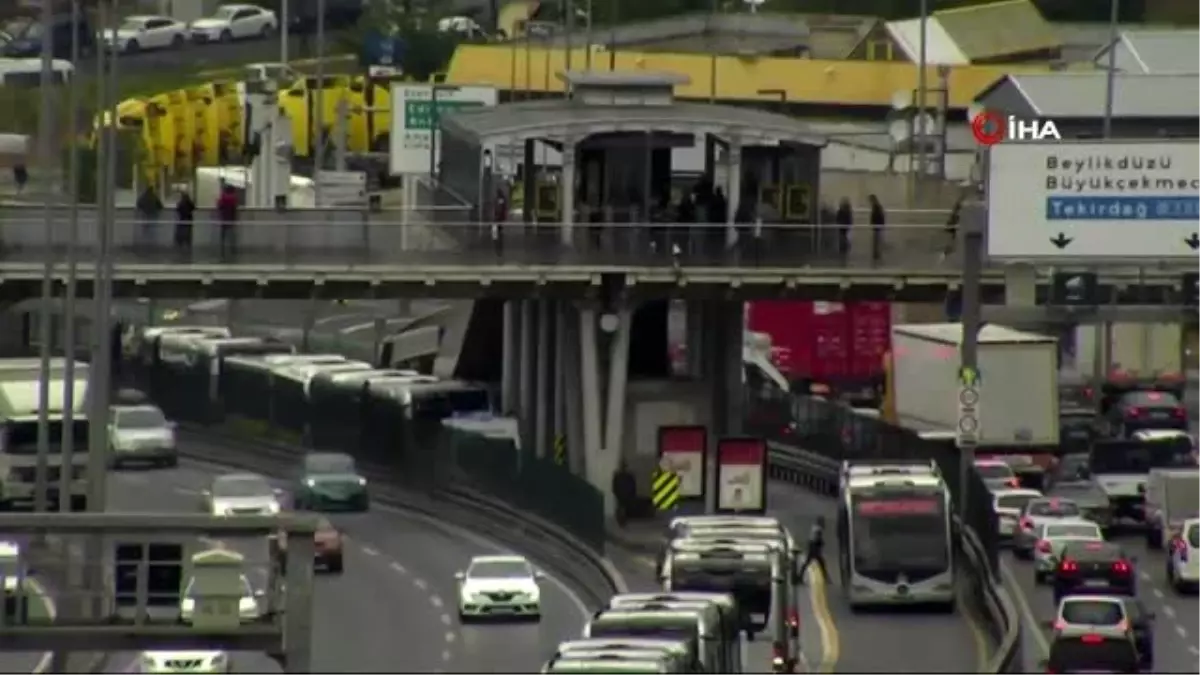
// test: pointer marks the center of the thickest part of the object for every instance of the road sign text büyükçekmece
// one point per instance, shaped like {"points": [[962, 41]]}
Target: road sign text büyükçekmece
{"points": [[1093, 200]]}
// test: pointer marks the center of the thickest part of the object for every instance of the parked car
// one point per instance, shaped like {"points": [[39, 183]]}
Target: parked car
{"points": [[234, 22]]}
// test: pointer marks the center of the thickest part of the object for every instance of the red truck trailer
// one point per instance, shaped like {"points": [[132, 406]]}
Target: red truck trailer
{"points": [[832, 344]]}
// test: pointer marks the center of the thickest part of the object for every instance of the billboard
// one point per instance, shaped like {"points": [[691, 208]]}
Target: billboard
{"points": [[413, 121], [742, 475], [681, 449], [1115, 200]]}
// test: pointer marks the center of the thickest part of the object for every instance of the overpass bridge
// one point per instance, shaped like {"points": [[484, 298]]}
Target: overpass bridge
{"points": [[343, 253]]}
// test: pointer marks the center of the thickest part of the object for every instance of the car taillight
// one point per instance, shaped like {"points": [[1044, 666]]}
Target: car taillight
{"points": [[793, 618], [1026, 524], [1121, 567], [1068, 565], [1178, 412], [1014, 483], [1133, 411], [1092, 639], [1060, 625], [1043, 546]]}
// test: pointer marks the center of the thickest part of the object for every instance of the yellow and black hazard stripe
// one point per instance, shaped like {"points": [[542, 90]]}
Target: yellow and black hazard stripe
{"points": [[560, 450], [664, 490]]}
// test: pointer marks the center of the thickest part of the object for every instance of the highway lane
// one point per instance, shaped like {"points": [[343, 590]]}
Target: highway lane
{"points": [[877, 642], [1176, 629], [400, 571], [370, 619]]}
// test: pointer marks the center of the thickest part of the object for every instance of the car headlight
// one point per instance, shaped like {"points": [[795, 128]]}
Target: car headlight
{"points": [[362, 482], [219, 660], [310, 482], [187, 605], [273, 508]]}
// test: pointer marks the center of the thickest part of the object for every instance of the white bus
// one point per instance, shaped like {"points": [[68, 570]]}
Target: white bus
{"points": [[895, 541]]}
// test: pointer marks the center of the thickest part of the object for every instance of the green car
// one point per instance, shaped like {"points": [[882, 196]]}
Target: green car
{"points": [[329, 481]]}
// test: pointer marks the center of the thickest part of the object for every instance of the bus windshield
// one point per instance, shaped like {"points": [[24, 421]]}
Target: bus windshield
{"points": [[21, 438], [900, 534]]}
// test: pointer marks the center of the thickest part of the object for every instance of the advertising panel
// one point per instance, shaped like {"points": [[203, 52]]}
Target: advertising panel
{"points": [[681, 449], [742, 475], [1093, 200]]}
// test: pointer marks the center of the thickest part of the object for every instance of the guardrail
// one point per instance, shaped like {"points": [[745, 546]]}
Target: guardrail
{"points": [[579, 565], [814, 472]]}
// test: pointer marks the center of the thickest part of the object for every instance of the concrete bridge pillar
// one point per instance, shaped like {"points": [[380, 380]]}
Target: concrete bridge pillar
{"points": [[722, 359]]}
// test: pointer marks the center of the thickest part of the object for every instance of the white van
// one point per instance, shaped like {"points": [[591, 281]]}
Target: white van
{"points": [[1172, 497]]}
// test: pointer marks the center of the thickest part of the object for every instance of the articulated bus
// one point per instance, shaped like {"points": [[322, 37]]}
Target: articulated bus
{"points": [[895, 541]]}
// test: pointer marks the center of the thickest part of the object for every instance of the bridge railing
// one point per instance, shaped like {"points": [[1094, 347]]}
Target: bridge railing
{"points": [[344, 237]]}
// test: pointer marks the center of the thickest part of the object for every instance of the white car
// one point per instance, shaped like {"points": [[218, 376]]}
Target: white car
{"points": [[248, 607], [241, 494], [1183, 565], [1038, 512], [234, 22], [997, 475], [499, 586], [141, 434], [183, 661], [1053, 537], [1009, 503], [144, 32]]}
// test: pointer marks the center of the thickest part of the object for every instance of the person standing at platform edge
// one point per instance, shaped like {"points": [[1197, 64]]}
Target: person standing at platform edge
{"points": [[227, 213]]}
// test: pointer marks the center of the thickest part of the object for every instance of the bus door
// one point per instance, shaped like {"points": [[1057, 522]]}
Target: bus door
{"points": [[785, 641]]}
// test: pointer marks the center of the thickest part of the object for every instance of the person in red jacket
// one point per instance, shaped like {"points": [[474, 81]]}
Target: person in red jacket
{"points": [[227, 214]]}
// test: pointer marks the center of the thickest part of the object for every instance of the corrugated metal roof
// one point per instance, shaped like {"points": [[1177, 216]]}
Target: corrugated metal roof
{"points": [[749, 33], [550, 119], [1164, 51], [998, 29], [940, 48], [1082, 94]]}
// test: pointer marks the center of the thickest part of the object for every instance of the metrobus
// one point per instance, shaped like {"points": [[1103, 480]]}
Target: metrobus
{"points": [[755, 572], [727, 614], [895, 541]]}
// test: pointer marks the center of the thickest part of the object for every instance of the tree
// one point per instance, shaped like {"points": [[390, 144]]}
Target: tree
{"points": [[422, 50]]}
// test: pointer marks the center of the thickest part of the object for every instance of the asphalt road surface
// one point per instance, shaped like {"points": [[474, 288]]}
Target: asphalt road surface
{"points": [[886, 641], [393, 609]]}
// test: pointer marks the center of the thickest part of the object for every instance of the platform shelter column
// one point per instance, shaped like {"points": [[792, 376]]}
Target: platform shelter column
{"points": [[604, 391], [566, 188], [733, 179]]}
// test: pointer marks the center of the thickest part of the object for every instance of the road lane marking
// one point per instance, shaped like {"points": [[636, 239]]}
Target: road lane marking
{"points": [[1169, 611], [1181, 630], [830, 640], [1031, 623], [1146, 576], [446, 619], [449, 636], [370, 551], [186, 492], [1157, 593], [420, 583], [39, 590], [435, 601], [446, 655], [398, 567]]}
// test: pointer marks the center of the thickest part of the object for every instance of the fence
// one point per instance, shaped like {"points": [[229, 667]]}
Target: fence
{"points": [[342, 237], [834, 430], [384, 436]]}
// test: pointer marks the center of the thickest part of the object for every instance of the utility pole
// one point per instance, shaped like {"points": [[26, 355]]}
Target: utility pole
{"points": [[69, 299], [972, 301], [319, 113], [284, 19], [45, 319], [1110, 83]]}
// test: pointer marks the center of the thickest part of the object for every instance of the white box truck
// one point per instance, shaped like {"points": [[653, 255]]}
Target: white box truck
{"points": [[1018, 407]]}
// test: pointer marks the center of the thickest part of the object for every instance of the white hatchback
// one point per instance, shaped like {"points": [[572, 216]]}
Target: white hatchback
{"points": [[1009, 503]]}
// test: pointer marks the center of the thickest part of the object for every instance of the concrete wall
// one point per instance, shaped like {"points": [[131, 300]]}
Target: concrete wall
{"points": [[650, 404]]}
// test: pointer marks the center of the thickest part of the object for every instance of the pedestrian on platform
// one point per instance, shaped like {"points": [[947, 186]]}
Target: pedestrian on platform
{"points": [[227, 214], [845, 220], [624, 490], [149, 208], [185, 212], [878, 220]]}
